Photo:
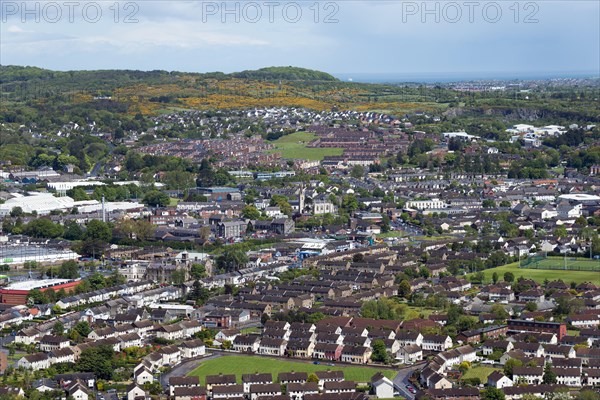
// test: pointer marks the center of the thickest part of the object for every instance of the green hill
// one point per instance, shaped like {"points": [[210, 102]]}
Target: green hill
{"points": [[285, 73]]}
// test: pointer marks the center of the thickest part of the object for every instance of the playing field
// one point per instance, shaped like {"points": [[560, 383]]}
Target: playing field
{"points": [[539, 275], [294, 146], [562, 263], [239, 365]]}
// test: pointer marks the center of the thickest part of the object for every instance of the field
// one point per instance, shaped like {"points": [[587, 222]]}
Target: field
{"points": [[540, 275], [575, 264], [239, 365], [480, 372], [294, 146]]}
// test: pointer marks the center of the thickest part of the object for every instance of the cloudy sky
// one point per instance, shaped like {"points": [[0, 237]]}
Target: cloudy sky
{"points": [[409, 38]]}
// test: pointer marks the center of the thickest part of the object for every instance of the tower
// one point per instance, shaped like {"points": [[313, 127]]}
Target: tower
{"points": [[301, 199]]}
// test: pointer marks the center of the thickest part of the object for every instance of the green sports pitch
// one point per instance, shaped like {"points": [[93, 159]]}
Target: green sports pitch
{"points": [[561, 263]]}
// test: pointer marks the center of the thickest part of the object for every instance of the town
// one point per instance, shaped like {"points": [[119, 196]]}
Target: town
{"points": [[291, 253]]}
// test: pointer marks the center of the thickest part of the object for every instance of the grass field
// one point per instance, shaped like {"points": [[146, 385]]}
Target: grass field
{"points": [[294, 146], [480, 372], [239, 365], [575, 264], [539, 275]]}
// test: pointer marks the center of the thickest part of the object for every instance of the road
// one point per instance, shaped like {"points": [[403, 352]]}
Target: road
{"points": [[401, 380], [184, 368]]}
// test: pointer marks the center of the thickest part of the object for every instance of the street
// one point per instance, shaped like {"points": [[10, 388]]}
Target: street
{"points": [[401, 380]]}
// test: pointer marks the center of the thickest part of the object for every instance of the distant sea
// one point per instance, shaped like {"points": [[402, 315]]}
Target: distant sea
{"points": [[440, 77]]}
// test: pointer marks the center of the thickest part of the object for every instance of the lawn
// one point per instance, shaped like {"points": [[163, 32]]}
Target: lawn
{"points": [[540, 275], [480, 372], [391, 234], [294, 146], [239, 365]]}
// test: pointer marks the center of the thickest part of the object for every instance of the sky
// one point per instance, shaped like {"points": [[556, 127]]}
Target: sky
{"points": [[466, 38]]}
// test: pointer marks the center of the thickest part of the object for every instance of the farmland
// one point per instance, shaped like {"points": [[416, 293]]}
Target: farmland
{"points": [[239, 365], [294, 146]]}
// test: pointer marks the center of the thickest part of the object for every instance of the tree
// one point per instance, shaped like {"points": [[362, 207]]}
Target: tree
{"points": [[98, 360], [350, 203], [495, 277], [464, 366], [509, 277], [58, 328], [531, 306], [499, 311], [197, 271], [357, 172], [492, 393], [43, 228], [282, 203], [82, 328], [549, 375], [73, 231], [68, 270], [232, 259], [560, 232], [156, 198], [312, 378], [510, 364], [404, 289], [379, 351], [250, 212], [98, 230], [16, 212]]}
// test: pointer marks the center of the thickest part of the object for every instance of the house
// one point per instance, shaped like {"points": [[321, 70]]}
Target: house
{"points": [[463, 393], [292, 377], [64, 355], [568, 376], [297, 391], [339, 387], [268, 389], [501, 346], [498, 380], [134, 392], [192, 348], [246, 343], [213, 381], [272, 347], [300, 348], [328, 351], [329, 376], [356, 354], [432, 342], [78, 390], [438, 381], [228, 391], [190, 393], [34, 361], [51, 342], [409, 354], [382, 387], [182, 382], [528, 375], [552, 351], [249, 380], [142, 374], [406, 338], [226, 335]]}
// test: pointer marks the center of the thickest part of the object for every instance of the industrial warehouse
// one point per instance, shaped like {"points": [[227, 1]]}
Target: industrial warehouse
{"points": [[17, 293]]}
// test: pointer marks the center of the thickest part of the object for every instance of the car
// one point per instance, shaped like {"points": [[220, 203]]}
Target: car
{"points": [[316, 362], [331, 364]]}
